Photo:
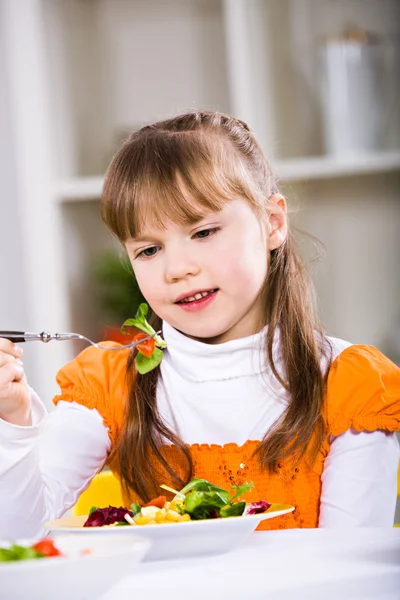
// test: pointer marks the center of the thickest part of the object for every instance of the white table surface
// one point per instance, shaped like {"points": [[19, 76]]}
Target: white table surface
{"points": [[326, 564]]}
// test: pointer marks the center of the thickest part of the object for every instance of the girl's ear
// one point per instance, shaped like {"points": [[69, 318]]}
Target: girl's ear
{"points": [[277, 218]]}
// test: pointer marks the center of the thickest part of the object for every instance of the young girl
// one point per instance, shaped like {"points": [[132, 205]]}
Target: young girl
{"points": [[249, 388]]}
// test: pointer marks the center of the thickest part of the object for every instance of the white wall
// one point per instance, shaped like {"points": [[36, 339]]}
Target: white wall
{"points": [[13, 303], [14, 300]]}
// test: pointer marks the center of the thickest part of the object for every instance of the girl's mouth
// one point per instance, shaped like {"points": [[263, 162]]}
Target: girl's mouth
{"points": [[198, 301]]}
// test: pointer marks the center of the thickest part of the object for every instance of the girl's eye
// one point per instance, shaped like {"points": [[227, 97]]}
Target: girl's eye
{"points": [[205, 233], [148, 252]]}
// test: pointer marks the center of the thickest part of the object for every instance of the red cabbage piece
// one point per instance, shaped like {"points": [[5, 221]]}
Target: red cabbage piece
{"points": [[257, 507], [107, 516]]}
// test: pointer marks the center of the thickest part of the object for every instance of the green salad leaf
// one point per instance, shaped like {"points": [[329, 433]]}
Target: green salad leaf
{"points": [[241, 489], [135, 508], [16, 552], [143, 363], [204, 500], [233, 510], [200, 504], [141, 323]]}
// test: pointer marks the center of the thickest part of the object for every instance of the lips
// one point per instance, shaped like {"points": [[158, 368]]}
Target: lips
{"points": [[194, 295]]}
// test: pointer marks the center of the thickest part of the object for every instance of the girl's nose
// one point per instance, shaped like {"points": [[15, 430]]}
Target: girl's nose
{"points": [[180, 266]]}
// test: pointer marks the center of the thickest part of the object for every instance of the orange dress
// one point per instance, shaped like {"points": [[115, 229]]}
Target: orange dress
{"points": [[363, 393]]}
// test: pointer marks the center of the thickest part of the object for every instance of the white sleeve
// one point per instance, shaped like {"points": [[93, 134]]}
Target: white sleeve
{"points": [[359, 481], [45, 467]]}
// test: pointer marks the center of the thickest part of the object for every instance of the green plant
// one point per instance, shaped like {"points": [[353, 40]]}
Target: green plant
{"points": [[116, 287]]}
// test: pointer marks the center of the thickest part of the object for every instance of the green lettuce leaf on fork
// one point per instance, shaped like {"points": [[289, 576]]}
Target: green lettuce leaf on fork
{"points": [[143, 363]]}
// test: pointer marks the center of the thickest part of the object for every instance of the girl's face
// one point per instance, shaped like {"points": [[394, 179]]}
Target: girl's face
{"points": [[205, 279]]}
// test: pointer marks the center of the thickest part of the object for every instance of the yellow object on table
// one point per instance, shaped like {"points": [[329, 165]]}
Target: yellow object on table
{"points": [[398, 482], [103, 490]]}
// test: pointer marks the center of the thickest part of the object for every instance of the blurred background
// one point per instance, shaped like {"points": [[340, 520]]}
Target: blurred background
{"points": [[317, 80]]}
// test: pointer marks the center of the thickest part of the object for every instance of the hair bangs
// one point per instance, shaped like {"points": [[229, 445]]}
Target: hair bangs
{"points": [[179, 177]]}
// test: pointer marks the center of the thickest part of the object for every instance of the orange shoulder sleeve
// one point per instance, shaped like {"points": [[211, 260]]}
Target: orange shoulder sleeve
{"points": [[363, 392], [97, 379]]}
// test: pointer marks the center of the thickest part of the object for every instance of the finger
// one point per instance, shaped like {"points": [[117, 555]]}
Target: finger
{"points": [[10, 372], [7, 358], [9, 347], [19, 373]]}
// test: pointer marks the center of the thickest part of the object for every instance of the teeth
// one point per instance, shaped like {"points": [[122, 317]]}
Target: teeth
{"points": [[196, 297]]}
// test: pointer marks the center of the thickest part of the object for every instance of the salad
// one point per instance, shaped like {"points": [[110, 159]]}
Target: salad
{"points": [[198, 500], [150, 351], [43, 549]]}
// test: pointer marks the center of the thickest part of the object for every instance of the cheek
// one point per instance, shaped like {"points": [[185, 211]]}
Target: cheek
{"points": [[147, 279], [245, 266]]}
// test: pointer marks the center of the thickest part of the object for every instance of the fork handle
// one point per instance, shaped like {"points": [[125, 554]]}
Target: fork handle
{"points": [[16, 336]]}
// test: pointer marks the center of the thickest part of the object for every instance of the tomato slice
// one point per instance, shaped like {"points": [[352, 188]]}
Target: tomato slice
{"points": [[147, 347], [47, 547], [159, 502]]}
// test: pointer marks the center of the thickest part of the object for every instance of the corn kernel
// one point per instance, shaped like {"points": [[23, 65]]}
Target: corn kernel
{"points": [[173, 516], [142, 520], [185, 517]]}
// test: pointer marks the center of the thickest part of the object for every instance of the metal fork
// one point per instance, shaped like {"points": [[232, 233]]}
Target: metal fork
{"points": [[45, 336]]}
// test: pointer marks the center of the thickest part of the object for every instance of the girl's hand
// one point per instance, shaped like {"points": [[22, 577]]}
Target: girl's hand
{"points": [[15, 398]]}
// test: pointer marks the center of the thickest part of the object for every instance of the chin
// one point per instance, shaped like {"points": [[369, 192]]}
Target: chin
{"points": [[204, 334]]}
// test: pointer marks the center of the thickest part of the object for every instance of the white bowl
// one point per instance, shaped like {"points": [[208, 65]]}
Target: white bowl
{"points": [[75, 576], [179, 540]]}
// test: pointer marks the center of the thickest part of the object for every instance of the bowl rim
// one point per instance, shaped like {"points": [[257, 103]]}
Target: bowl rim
{"points": [[133, 544], [254, 519]]}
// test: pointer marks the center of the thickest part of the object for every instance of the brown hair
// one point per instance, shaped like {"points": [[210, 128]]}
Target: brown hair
{"points": [[180, 168]]}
